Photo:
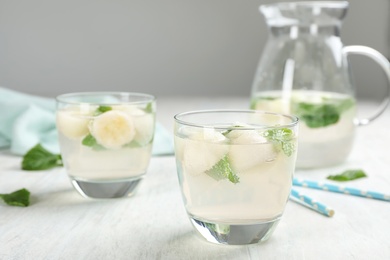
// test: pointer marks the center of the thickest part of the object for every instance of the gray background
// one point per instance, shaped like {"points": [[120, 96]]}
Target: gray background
{"points": [[164, 47]]}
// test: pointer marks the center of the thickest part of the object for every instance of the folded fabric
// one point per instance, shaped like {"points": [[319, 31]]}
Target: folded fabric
{"points": [[26, 120]]}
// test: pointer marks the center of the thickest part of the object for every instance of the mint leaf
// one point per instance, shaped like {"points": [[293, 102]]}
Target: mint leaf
{"points": [[222, 170], [288, 148], [90, 141], [348, 175], [149, 108], [102, 109], [218, 228], [324, 114], [317, 115], [282, 139], [20, 198], [38, 158]]}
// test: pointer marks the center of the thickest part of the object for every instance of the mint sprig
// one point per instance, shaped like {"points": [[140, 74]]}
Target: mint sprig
{"points": [[317, 115], [282, 139], [38, 158], [222, 170], [348, 175], [20, 198], [323, 114]]}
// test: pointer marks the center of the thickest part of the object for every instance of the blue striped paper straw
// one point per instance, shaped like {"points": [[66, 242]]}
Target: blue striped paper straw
{"points": [[314, 205], [341, 189]]}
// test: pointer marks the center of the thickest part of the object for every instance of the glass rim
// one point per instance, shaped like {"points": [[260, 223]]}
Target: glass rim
{"points": [[294, 119], [63, 97], [327, 4]]}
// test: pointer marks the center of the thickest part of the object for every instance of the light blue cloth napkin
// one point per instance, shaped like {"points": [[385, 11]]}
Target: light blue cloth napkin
{"points": [[26, 120]]}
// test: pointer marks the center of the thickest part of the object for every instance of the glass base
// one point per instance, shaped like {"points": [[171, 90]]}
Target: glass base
{"points": [[106, 189], [235, 234]]}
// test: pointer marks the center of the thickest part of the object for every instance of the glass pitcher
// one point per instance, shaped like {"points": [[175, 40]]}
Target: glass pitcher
{"points": [[304, 71]]}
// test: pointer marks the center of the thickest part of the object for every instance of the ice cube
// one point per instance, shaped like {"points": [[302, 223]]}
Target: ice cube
{"points": [[246, 136], [202, 150], [187, 131], [143, 123], [249, 149], [72, 123]]}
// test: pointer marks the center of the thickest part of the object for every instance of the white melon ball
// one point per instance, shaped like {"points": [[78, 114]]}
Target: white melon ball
{"points": [[113, 129], [72, 123], [143, 122]]}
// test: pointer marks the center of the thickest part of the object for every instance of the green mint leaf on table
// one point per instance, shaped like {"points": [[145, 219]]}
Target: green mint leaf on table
{"points": [[348, 175], [20, 198], [222, 170], [38, 158], [282, 138]]}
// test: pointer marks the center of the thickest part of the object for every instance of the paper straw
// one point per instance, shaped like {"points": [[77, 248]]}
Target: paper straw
{"points": [[341, 189], [312, 204]]}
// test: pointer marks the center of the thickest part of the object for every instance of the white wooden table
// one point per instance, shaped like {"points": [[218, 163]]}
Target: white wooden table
{"points": [[60, 224]]}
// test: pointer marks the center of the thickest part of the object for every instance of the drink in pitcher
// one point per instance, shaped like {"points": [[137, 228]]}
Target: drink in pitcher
{"points": [[235, 177], [327, 124], [304, 70]]}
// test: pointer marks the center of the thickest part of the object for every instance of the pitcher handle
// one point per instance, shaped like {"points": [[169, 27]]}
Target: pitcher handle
{"points": [[385, 64]]}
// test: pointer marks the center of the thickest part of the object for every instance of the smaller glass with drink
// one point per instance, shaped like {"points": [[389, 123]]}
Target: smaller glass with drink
{"points": [[106, 140]]}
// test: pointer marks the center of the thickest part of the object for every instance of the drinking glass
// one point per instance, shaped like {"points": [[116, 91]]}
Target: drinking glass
{"points": [[235, 171], [105, 140]]}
